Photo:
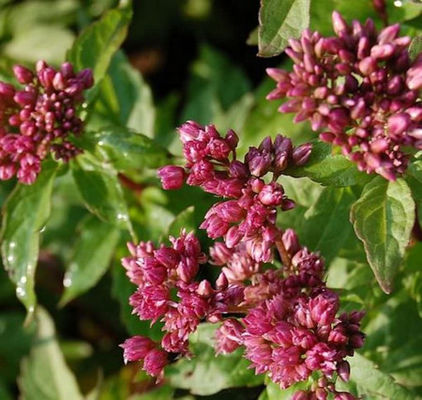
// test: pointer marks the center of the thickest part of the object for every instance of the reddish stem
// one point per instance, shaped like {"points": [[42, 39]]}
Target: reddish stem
{"points": [[284, 254], [131, 184]]}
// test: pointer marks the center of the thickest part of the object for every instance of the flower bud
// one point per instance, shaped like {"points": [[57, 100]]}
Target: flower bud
{"points": [[229, 336], [283, 151], [230, 211], [238, 170], [7, 91], [343, 370], [86, 77], [291, 241], [232, 139], [172, 177], [136, 348], [302, 153], [24, 98], [258, 162], [382, 51], [324, 308], [300, 395], [398, 123], [187, 269], [321, 394], [23, 75], [388, 34], [154, 362], [167, 256], [368, 65], [46, 76], [271, 195], [288, 204], [221, 282], [7, 171], [219, 149], [233, 237], [205, 289], [190, 130], [67, 70], [414, 77], [339, 24], [277, 74]]}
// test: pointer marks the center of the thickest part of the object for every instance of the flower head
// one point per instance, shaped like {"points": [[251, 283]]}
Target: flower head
{"points": [[39, 118], [250, 212], [359, 89]]}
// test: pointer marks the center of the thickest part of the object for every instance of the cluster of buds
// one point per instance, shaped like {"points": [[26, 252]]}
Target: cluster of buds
{"points": [[359, 89], [250, 214], [38, 118], [168, 292], [285, 319]]}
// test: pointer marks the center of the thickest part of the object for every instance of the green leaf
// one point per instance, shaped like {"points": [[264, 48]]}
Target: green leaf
{"points": [[413, 279], [5, 392], [184, 220], [328, 169], [34, 13], [44, 374], [252, 39], [404, 11], [279, 21], [265, 120], [30, 45], [15, 342], [326, 225], [274, 392], [124, 98], [92, 255], [215, 85], [25, 214], [101, 191], [383, 218], [415, 170], [375, 383], [164, 392], [207, 373], [302, 190], [415, 47], [96, 45], [126, 149], [321, 12]]}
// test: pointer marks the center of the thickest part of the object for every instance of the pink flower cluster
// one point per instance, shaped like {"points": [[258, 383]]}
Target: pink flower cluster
{"points": [[38, 118], [211, 164], [360, 89], [167, 291], [286, 319]]}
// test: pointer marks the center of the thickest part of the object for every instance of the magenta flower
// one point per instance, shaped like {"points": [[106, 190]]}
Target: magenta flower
{"points": [[136, 348], [172, 177], [359, 89], [287, 319], [39, 118], [251, 212], [284, 318]]}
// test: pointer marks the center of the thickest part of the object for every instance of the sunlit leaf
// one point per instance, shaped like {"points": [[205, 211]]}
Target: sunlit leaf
{"points": [[100, 189], [25, 214], [92, 255], [279, 21], [226, 370], [44, 374], [383, 218], [96, 45]]}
